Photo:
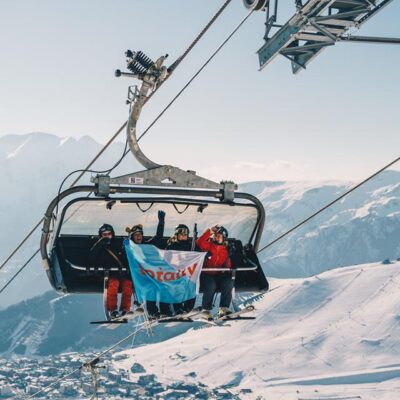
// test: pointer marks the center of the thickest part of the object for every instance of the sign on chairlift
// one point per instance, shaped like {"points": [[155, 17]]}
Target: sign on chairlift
{"points": [[134, 180]]}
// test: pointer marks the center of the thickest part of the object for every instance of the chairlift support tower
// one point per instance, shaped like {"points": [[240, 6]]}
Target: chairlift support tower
{"points": [[316, 25]]}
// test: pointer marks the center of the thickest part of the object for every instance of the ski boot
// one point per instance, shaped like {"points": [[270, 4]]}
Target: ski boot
{"points": [[154, 316], [224, 312], [206, 314], [126, 312]]}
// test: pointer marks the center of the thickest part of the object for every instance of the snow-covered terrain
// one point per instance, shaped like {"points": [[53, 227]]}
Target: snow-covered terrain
{"points": [[50, 324], [363, 227], [332, 336]]}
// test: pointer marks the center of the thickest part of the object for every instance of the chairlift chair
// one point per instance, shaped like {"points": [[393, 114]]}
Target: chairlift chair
{"points": [[135, 198]]}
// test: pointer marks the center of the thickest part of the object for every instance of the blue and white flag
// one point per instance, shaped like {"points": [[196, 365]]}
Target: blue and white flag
{"points": [[168, 276]]}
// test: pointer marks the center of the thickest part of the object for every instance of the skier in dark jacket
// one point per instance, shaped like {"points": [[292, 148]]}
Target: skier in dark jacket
{"points": [[106, 254], [180, 241], [214, 241], [136, 235]]}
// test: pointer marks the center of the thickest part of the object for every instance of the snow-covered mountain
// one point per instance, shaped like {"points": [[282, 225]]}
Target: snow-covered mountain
{"points": [[334, 335], [50, 324], [363, 227]]}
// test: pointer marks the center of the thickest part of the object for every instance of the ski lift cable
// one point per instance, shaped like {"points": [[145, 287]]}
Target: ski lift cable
{"points": [[30, 233], [86, 170], [188, 83], [19, 271], [34, 255], [170, 69], [329, 205], [83, 171]]}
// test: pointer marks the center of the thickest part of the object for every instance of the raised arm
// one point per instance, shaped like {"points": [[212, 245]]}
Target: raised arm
{"points": [[203, 242], [157, 239]]}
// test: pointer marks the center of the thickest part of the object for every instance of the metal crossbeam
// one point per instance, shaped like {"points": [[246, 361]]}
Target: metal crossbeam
{"points": [[316, 25]]}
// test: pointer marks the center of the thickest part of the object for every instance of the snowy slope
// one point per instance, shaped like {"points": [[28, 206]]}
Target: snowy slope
{"points": [[332, 336], [53, 324]]}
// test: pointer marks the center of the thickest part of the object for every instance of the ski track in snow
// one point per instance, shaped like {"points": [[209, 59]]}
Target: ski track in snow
{"points": [[332, 336]]}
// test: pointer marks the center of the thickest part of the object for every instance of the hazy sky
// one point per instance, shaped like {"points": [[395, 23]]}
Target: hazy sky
{"points": [[338, 120]]}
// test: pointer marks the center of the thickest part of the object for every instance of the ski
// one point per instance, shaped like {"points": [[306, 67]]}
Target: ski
{"points": [[211, 322], [237, 315], [123, 319], [174, 319], [126, 318], [111, 321], [191, 317], [238, 318], [185, 317]]}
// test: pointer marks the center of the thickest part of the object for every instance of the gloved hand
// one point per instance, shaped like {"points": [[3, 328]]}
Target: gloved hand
{"points": [[161, 215]]}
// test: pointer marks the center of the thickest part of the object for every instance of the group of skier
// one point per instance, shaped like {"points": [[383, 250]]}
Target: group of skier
{"points": [[110, 255]]}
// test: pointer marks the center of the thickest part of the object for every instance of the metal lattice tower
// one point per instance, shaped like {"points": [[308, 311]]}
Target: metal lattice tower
{"points": [[315, 26]]}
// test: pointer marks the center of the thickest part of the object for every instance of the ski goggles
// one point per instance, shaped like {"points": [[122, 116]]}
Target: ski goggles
{"points": [[136, 229], [106, 234], [182, 231]]}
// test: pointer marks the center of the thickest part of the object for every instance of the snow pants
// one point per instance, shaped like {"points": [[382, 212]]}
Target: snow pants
{"points": [[152, 309], [112, 293], [211, 283], [184, 307]]}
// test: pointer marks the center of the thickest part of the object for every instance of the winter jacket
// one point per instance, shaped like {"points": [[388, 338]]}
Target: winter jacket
{"points": [[100, 256], [157, 239], [217, 257], [183, 245]]}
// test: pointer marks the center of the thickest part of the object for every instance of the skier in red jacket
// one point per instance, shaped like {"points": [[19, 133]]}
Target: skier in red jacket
{"points": [[214, 241]]}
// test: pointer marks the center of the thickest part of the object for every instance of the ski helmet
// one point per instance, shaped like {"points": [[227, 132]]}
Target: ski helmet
{"points": [[182, 229], [106, 228], [222, 230]]}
